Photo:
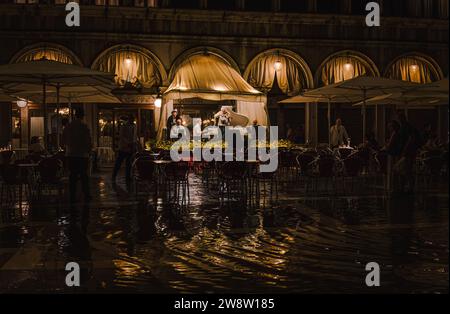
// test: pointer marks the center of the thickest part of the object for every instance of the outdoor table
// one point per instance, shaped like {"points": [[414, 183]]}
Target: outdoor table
{"points": [[105, 154], [21, 153], [160, 165], [252, 169], [31, 167], [31, 173], [154, 156]]}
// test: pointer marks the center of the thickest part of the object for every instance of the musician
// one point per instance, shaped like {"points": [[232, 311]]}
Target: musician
{"points": [[178, 131], [223, 119], [171, 122]]}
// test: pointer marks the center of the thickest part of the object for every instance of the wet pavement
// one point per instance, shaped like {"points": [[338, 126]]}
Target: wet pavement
{"points": [[299, 244]]}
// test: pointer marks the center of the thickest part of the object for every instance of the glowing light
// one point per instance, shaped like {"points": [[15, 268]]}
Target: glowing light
{"points": [[63, 111], [158, 102], [128, 62], [278, 65], [348, 67], [414, 68], [22, 103]]}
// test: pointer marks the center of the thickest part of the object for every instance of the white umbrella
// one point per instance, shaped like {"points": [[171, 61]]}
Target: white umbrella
{"points": [[6, 98], [19, 76], [405, 101], [329, 99], [70, 95], [362, 88], [437, 89]]}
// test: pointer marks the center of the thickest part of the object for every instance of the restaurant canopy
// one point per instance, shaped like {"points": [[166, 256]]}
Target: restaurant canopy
{"points": [[208, 77]]}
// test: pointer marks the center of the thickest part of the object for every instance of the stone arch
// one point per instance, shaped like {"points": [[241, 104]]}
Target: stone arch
{"points": [[433, 67], [357, 57], [305, 70], [47, 49], [138, 50]]}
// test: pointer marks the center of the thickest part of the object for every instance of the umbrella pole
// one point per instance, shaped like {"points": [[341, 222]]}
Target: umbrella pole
{"points": [[70, 110], [57, 117], [44, 105], [364, 114], [329, 121]]}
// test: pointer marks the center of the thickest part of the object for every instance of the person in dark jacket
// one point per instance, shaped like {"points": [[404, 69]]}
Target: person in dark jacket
{"points": [[78, 145]]}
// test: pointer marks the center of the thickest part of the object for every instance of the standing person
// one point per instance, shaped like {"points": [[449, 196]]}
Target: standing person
{"points": [[127, 147], [290, 133], [338, 134], [411, 142], [171, 122], [36, 146], [393, 146], [78, 143], [64, 124], [430, 139]]}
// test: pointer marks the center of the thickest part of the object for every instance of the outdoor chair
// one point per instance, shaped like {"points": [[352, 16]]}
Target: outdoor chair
{"points": [[352, 170], [232, 177], [49, 172], [11, 186], [289, 169], [381, 161], [306, 163], [324, 173], [6, 157], [177, 182], [264, 185], [144, 174], [429, 172]]}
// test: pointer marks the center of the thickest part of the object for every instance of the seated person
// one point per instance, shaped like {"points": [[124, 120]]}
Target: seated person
{"points": [[36, 147], [370, 142]]}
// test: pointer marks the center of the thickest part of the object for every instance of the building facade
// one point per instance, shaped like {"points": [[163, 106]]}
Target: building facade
{"points": [[280, 47]]}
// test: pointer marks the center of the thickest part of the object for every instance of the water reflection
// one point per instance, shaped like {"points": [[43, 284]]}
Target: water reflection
{"points": [[300, 245]]}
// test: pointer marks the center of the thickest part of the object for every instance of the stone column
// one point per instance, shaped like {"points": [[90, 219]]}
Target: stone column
{"points": [[276, 5], [311, 127], [346, 6], [203, 4], [312, 6], [5, 124], [380, 124], [240, 4]]}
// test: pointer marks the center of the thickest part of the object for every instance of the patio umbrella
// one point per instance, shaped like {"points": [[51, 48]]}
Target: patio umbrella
{"points": [[362, 88], [406, 101], [329, 99], [70, 95], [6, 98], [19, 76], [437, 89]]}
